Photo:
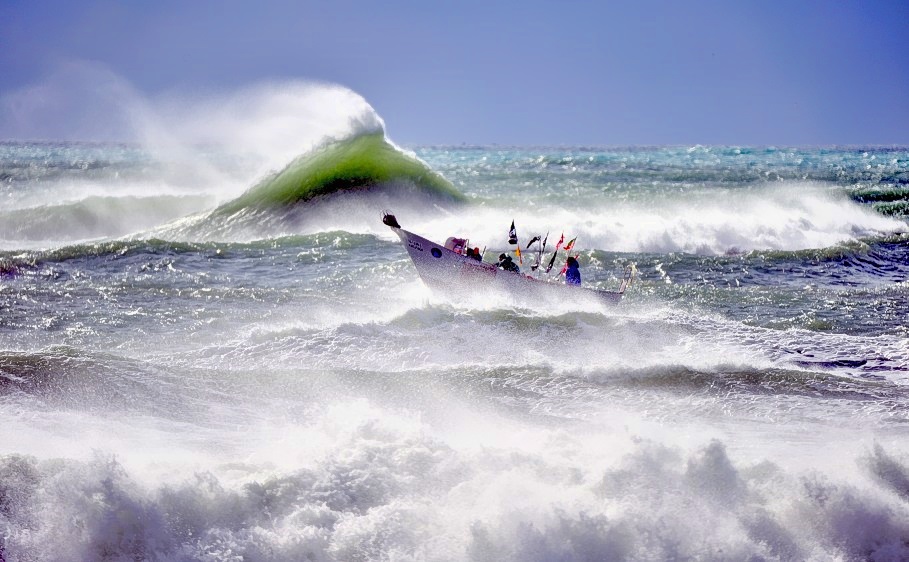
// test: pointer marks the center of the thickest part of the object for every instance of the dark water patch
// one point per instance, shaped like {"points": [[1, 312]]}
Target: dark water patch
{"points": [[894, 208], [753, 381], [855, 288], [880, 194], [860, 263], [851, 363]]}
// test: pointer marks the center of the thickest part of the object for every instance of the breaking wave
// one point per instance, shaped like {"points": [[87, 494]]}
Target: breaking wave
{"points": [[374, 489], [361, 163], [352, 178]]}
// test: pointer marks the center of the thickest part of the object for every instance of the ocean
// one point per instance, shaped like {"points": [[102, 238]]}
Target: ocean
{"points": [[207, 354]]}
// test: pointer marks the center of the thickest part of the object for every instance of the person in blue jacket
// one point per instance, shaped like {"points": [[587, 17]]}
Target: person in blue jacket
{"points": [[572, 274]]}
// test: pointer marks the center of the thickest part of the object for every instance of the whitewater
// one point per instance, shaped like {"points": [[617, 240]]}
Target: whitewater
{"points": [[211, 348]]}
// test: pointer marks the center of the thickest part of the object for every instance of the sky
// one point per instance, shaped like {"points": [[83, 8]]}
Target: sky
{"points": [[768, 72]]}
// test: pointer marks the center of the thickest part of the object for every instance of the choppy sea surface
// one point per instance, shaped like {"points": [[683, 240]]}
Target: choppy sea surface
{"points": [[202, 360]]}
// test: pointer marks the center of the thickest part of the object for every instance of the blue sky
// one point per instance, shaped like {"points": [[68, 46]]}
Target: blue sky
{"points": [[534, 72]]}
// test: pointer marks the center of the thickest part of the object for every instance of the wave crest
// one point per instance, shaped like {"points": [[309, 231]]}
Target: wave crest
{"points": [[360, 163], [349, 179]]}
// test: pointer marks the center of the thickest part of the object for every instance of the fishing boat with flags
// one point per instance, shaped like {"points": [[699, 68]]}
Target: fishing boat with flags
{"points": [[453, 268]]}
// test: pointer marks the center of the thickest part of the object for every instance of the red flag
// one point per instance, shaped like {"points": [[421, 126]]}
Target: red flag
{"points": [[559, 244]]}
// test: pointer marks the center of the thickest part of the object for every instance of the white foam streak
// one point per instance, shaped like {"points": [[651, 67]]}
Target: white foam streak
{"points": [[778, 217], [271, 123]]}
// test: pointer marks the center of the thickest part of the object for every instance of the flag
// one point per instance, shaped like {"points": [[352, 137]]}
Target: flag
{"points": [[532, 240], [512, 234], [559, 244], [543, 249], [518, 252], [551, 262], [570, 245]]}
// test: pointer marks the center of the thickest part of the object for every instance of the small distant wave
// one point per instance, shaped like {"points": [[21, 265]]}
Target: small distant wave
{"points": [[93, 255], [855, 263], [891, 200]]}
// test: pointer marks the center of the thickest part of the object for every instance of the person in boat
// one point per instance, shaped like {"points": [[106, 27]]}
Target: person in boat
{"points": [[506, 263], [477, 255], [573, 272], [456, 245]]}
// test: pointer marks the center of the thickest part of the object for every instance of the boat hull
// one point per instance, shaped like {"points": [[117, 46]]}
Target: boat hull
{"points": [[453, 274]]}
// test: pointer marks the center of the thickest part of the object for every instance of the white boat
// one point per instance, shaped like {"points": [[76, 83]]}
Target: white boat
{"points": [[450, 272]]}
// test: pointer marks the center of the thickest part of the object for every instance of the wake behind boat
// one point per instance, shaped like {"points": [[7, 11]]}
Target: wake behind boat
{"points": [[446, 269]]}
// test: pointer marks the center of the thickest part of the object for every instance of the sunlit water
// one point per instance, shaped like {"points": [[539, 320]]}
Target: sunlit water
{"points": [[180, 394]]}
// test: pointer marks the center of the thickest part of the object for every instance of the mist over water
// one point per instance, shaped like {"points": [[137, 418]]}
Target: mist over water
{"points": [[212, 349], [180, 152]]}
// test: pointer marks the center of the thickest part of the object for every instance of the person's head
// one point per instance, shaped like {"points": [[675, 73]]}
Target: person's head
{"points": [[572, 262], [502, 257]]}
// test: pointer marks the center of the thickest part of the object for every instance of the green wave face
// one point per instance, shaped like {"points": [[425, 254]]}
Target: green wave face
{"points": [[358, 164]]}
